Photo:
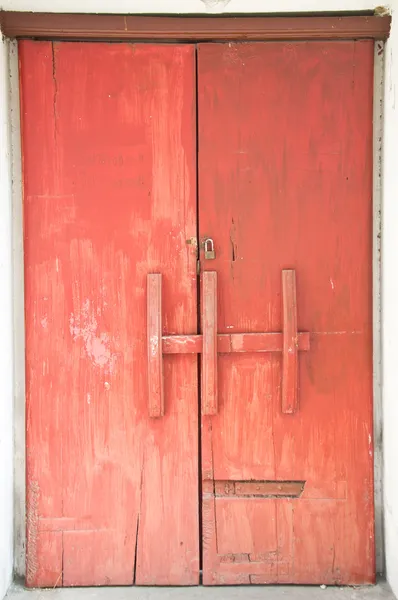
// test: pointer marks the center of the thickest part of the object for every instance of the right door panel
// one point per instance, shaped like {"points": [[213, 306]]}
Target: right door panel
{"points": [[285, 183]]}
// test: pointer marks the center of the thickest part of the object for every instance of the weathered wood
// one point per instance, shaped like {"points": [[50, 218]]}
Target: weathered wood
{"points": [[109, 152], [232, 342], [285, 180], [154, 342], [208, 534], [66, 524], [131, 27], [266, 489], [209, 341], [290, 343]]}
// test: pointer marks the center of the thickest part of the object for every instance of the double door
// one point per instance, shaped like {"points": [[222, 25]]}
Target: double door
{"points": [[198, 312]]}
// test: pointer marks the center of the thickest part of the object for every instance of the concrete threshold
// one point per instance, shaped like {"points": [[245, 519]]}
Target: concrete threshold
{"points": [[381, 591]]}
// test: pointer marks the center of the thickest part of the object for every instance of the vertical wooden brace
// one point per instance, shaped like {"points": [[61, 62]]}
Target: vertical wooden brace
{"points": [[290, 343], [154, 341], [209, 352]]}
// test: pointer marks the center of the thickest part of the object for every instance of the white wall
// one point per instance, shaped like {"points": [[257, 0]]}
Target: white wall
{"points": [[6, 344], [390, 303], [389, 241]]}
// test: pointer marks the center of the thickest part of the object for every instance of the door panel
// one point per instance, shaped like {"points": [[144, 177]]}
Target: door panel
{"points": [[109, 196], [285, 163]]}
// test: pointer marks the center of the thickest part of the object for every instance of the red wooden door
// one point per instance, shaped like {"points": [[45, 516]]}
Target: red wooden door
{"points": [[110, 194], [285, 155], [111, 236]]}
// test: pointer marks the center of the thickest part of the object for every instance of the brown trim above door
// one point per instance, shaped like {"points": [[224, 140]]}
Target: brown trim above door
{"points": [[120, 27]]}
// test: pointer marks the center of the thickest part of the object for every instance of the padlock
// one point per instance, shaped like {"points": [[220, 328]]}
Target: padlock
{"points": [[209, 249]]}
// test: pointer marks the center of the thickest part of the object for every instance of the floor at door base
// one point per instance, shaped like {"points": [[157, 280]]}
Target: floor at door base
{"points": [[381, 591]]}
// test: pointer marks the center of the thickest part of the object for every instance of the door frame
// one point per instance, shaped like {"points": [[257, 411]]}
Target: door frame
{"points": [[132, 28]]}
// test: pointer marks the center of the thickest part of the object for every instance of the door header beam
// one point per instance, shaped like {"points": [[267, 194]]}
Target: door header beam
{"points": [[175, 28]]}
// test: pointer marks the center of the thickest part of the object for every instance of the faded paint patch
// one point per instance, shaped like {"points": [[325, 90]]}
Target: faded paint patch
{"points": [[84, 326], [154, 345], [32, 518], [232, 55]]}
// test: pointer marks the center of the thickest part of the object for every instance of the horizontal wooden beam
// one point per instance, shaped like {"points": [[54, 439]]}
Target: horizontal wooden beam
{"points": [[261, 489], [118, 27], [232, 342]]}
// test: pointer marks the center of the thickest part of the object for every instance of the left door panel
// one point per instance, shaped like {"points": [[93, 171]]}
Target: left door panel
{"points": [[108, 136]]}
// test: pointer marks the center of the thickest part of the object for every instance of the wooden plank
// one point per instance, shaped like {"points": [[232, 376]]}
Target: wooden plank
{"points": [[119, 27], [209, 534], [290, 343], [267, 569], [270, 562], [246, 524], [286, 183], [265, 489], [104, 564], [48, 572], [232, 342], [209, 350], [154, 343], [182, 344], [99, 203], [44, 418]]}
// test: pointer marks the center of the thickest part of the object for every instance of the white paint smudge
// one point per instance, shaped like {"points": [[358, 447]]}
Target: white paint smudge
{"points": [[154, 344], [88, 398], [106, 385], [84, 326], [332, 283], [44, 322]]}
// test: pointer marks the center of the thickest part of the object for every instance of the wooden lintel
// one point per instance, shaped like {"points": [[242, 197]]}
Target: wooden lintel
{"points": [[64, 26]]}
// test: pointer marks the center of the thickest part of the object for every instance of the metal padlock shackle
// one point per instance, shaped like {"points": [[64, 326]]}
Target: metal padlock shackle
{"points": [[207, 242], [209, 249]]}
